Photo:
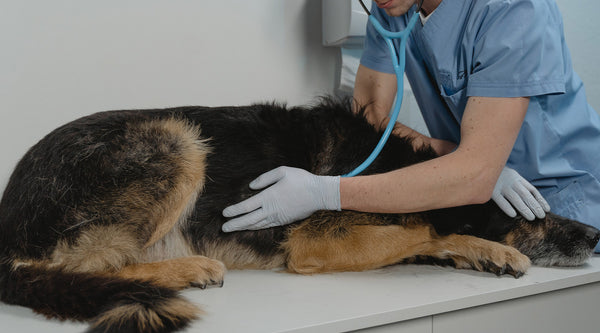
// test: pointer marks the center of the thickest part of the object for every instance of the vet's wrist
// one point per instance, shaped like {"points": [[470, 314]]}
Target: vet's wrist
{"points": [[330, 192]]}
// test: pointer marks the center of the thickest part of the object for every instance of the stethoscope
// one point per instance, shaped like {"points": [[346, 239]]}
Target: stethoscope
{"points": [[399, 63]]}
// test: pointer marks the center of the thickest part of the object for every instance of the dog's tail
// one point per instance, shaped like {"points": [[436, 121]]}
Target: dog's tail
{"points": [[109, 303]]}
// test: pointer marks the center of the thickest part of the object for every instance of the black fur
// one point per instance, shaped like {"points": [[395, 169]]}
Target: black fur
{"points": [[83, 297], [325, 139]]}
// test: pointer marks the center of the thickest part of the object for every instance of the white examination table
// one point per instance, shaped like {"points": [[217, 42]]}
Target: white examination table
{"points": [[396, 299]]}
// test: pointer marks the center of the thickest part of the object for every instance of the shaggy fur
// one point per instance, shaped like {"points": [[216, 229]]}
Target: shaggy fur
{"points": [[108, 216]]}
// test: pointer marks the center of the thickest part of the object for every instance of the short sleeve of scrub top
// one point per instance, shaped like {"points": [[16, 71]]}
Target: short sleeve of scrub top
{"points": [[518, 50]]}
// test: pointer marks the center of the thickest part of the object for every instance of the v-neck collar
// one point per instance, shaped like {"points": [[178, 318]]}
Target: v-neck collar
{"points": [[443, 20]]}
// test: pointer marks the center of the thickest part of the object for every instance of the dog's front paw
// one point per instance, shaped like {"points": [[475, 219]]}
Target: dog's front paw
{"points": [[203, 272], [504, 260], [471, 252]]}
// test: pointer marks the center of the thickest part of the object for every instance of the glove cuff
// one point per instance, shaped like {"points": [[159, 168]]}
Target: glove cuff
{"points": [[330, 192]]}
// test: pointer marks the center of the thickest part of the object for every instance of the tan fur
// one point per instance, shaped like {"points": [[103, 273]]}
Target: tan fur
{"points": [[172, 245], [534, 234], [149, 318], [99, 248], [473, 252], [178, 273], [238, 256], [364, 247], [191, 162], [358, 247]]}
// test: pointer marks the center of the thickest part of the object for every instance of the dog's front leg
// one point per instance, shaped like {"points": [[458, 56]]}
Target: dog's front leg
{"points": [[179, 273], [356, 242]]}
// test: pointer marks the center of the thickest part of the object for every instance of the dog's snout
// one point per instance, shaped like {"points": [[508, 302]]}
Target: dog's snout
{"points": [[592, 236]]}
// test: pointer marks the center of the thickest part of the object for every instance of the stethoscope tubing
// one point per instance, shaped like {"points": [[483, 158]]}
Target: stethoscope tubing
{"points": [[399, 64]]}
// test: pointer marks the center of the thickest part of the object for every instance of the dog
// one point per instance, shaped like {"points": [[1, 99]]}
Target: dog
{"points": [[109, 216]]}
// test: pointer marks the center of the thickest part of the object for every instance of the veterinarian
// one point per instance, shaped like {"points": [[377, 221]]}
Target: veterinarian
{"points": [[495, 84]]}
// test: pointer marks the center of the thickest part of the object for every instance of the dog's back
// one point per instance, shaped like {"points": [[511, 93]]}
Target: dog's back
{"points": [[327, 139]]}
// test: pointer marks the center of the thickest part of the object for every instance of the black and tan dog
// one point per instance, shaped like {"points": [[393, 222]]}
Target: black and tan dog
{"points": [[108, 216]]}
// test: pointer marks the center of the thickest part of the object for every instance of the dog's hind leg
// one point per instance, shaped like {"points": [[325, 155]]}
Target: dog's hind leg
{"points": [[141, 199], [355, 242], [163, 162], [116, 250]]}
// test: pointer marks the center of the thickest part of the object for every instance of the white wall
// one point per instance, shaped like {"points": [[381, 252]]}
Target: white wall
{"points": [[582, 30], [62, 59]]}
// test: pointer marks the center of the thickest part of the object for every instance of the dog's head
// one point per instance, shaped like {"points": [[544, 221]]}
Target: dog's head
{"points": [[553, 241]]}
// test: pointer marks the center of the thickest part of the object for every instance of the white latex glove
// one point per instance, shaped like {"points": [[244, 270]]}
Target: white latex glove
{"points": [[512, 190], [294, 194]]}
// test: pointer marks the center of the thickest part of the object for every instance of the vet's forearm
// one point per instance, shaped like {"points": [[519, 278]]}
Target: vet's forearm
{"points": [[443, 182], [466, 176]]}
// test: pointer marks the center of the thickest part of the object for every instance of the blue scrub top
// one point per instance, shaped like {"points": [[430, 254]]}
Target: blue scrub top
{"points": [[499, 48]]}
